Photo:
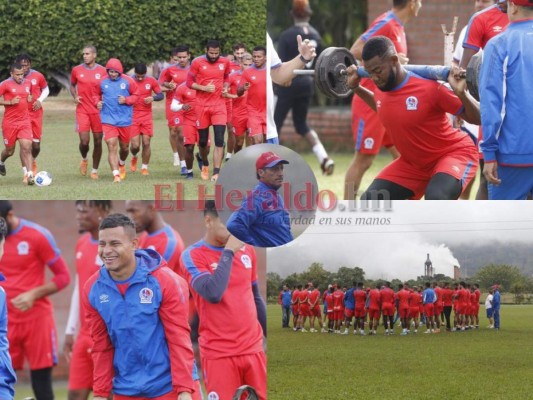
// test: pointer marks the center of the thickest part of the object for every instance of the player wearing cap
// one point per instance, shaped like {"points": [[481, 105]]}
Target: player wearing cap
{"points": [[85, 80], [30, 245], [222, 276], [115, 98], [262, 219], [438, 167], [505, 83], [142, 128]]}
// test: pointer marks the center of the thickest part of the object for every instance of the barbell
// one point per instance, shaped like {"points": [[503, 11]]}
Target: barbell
{"points": [[331, 64], [245, 392]]}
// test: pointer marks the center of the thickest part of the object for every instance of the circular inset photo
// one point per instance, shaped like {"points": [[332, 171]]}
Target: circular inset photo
{"points": [[267, 195]]}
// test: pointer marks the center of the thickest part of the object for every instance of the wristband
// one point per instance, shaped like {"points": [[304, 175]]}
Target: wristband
{"points": [[302, 59]]}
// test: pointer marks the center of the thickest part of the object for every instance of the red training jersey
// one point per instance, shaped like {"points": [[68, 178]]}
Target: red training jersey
{"points": [[186, 95], [204, 72], [338, 300], [387, 295], [374, 299], [239, 104], [447, 295], [145, 88], [87, 81], [167, 242], [38, 84], [16, 114], [173, 73], [256, 100], [415, 299], [360, 299], [483, 26], [314, 297], [403, 298]]}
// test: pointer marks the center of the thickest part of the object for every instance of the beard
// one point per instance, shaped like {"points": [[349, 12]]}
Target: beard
{"points": [[391, 82], [212, 60]]}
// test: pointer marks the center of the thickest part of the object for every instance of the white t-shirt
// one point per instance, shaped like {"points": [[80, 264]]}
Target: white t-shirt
{"points": [[273, 61], [488, 301]]}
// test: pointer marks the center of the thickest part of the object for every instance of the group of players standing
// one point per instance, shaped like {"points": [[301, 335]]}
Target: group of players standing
{"points": [[117, 108], [432, 303]]}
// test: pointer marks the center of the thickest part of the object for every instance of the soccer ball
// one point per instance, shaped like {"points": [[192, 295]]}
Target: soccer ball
{"points": [[43, 178]]}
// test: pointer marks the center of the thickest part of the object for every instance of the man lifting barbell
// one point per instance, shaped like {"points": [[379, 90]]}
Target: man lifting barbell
{"points": [[437, 161]]}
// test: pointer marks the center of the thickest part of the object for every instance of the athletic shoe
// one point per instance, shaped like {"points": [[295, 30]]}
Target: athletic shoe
{"points": [[25, 179], [83, 167], [363, 334], [403, 334], [214, 178], [133, 165], [122, 171], [205, 173], [34, 167], [3, 170], [327, 166], [116, 179], [427, 331], [189, 175], [312, 330], [227, 159], [176, 160], [184, 171], [324, 330], [94, 176], [303, 330], [144, 171], [199, 161]]}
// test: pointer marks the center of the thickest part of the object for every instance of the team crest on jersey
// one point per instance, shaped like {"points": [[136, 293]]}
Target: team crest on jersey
{"points": [[23, 249], [253, 77], [378, 104], [497, 29], [146, 295], [97, 76], [247, 261], [81, 75], [411, 103], [214, 266], [369, 143], [104, 298], [106, 86], [79, 255], [176, 121], [34, 81], [455, 168], [147, 86], [27, 89], [204, 67], [213, 396], [123, 86], [221, 66]]}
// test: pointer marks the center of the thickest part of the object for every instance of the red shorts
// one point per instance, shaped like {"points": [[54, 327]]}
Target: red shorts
{"points": [[36, 118], [295, 310], [88, 122], [429, 310], [461, 309], [476, 309], [256, 124], [374, 314], [190, 134], [439, 309], [144, 126], [368, 133], [349, 313], [12, 133], [240, 124], [123, 132], [304, 310], [35, 340], [414, 312], [360, 313], [338, 315], [168, 396], [404, 312], [81, 364], [173, 118], [211, 115], [315, 311], [223, 376], [462, 165], [387, 309]]}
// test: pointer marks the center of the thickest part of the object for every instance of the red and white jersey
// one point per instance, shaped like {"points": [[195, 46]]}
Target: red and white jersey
{"points": [[483, 26], [38, 84], [403, 298], [256, 100], [230, 327], [186, 95], [27, 251], [239, 104], [173, 73], [87, 263], [424, 133], [387, 295], [166, 242], [145, 88], [87, 81], [17, 113], [234, 66], [204, 73], [338, 300]]}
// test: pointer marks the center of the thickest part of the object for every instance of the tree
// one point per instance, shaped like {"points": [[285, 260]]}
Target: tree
{"points": [[317, 275], [274, 284], [503, 275], [345, 276]]}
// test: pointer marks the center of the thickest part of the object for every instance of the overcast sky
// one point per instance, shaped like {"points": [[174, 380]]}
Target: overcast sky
{"points": [[397, 245]]}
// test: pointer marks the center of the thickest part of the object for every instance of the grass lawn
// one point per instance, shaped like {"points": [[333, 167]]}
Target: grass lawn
{"points": [[479, 364], [23, 390]]}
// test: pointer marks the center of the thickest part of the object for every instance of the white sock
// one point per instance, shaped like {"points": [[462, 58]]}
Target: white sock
{"points": [[94, 171], [144, 166], [121, 163], [115, 172], [320, 152], [228, 155], [176, 156], [183, 164], [189, 171], [24, 170]]}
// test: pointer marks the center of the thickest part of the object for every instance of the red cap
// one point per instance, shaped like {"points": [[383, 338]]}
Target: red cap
{"points": [[522, 2], [269, 160]]}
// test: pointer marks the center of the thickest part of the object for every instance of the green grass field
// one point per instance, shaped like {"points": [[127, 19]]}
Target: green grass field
{"points": [[479, 364], [23, 390]]}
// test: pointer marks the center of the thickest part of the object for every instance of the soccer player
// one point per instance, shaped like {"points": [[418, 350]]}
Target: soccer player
{"points": [[403, 295], [171, 77], [254, 82], [32, 246], [239, 114], [77, 351], [373, 305], [429, 298], [16, 124], [298, 95], [295, 306], [8, 378], [416, 308], [314, 309], [477, 294], [369, 133], [359, 312], [338, 308], [115, 99], [330, 308], [387, 308], [143, 124], [184, 101], [303, 307], [439, 308], [39, 93], [85, 80], [349, 307], [222, 277], [447, 302], [284, 300], [504, 84], [438, 167], [207, 76], [135, 292], [154, 233]]}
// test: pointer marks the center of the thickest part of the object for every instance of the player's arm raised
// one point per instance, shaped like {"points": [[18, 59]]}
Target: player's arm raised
{"points": [[353, 80], [284, 74], [471, 106]]}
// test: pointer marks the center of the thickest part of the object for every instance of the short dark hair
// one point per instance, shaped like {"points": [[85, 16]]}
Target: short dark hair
{"points": [[15, 66], [5, 208], [91, 47], [3, 228], [212, 44], [23, 57], [140, 68], [118, 220], [180, 49], [377, 46], [238, 46], [104, 205], [260, 48], [210, 208], [400, 3]]}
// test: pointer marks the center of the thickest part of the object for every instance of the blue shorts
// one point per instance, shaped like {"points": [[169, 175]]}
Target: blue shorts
{"points": [[273, 140], [490, 312], [517, 183]]}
